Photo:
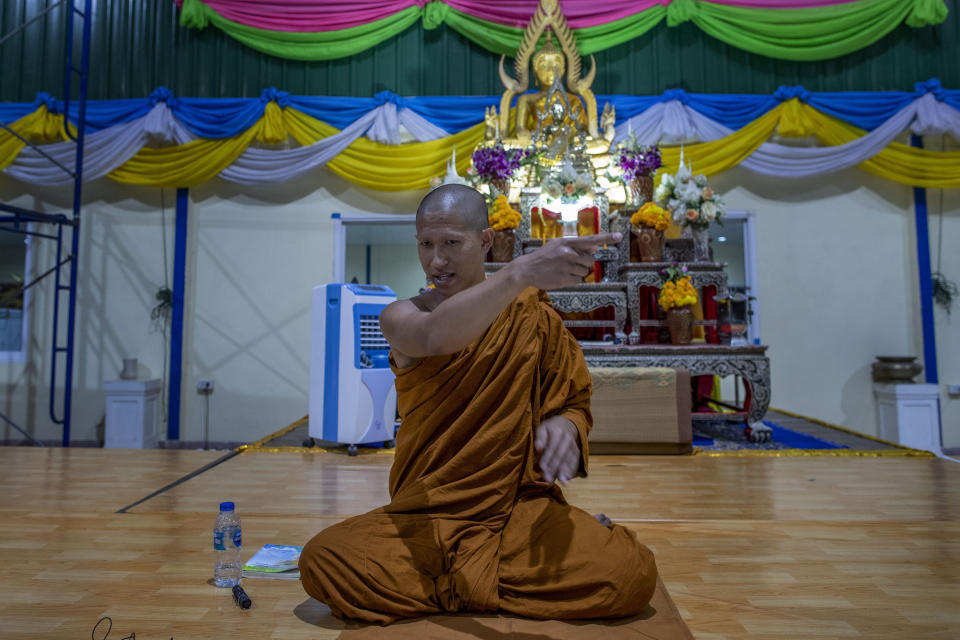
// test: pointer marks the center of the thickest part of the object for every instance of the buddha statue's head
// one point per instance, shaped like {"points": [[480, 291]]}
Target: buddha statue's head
{"points": [[548, 63]]}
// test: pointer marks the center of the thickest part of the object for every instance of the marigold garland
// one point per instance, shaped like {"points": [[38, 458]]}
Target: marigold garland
{"points": [[651, 215], [677, 294], [503, 215]]}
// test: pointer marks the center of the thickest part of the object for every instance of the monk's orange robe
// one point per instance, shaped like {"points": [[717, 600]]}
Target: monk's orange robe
{"points": [[472, 525]]}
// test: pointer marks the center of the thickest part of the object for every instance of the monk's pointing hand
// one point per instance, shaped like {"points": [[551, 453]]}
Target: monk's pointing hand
{"points": [[562, 262], [557, 441]]}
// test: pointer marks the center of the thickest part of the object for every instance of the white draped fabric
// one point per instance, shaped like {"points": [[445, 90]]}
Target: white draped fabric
{"points": [[103, 151], [258, 166]]}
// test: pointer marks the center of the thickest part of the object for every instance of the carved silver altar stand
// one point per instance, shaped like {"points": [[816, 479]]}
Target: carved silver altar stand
{"points": [[620, 290], [647, 274]]}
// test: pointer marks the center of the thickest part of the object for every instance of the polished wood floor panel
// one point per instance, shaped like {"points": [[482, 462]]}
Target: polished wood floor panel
{"points": [[84, 480], [289, 483], [626, 488], [749, 548], [744, 579], [150, 573], [840, 579]]}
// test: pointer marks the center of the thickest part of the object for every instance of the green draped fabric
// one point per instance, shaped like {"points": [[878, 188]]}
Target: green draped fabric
{"points": [[323, 45]]}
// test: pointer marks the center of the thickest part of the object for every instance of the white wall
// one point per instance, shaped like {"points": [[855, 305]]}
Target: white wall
{"points": [[838, 285], [253, 256], [836, 258], [355, 263], [398, 266], [731, 253], [947, 325], [395, 265], [121, 268]]}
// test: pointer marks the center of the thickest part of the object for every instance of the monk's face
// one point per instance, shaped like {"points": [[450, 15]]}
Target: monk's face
{"points": [[451, 252]]}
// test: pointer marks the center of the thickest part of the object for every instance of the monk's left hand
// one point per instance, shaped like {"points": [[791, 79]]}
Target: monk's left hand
{"points": [[558, 443]]}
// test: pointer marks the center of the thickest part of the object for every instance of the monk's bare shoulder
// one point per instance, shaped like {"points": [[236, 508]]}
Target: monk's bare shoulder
{"points": [[400, 314]]}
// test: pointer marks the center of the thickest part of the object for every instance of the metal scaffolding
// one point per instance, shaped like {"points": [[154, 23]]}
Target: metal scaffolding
{"points": [[24, 221]]}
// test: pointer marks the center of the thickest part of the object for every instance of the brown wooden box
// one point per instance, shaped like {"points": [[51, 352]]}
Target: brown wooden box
{"points": [[641, 410]]}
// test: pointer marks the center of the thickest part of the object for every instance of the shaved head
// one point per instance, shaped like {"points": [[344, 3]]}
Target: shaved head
{"points": [[465, 203]]}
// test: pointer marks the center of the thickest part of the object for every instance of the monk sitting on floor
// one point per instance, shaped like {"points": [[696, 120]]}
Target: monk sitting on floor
{"points": [[494, 396]]}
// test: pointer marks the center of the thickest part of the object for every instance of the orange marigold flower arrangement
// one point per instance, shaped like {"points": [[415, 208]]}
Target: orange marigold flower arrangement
{"points": [[503, 216], [651, 215], [677, 291]]}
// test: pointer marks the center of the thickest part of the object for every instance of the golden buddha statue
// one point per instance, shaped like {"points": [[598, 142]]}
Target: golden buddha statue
{"points": [[558, 122], [537, 110], [548, 65]]}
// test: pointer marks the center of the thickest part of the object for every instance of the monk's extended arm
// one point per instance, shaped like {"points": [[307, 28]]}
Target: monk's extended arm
{"points": [[463, 317]]}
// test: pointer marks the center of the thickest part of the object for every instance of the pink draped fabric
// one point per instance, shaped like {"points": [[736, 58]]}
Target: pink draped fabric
{"points": [[590, 13], [307, 15], [327, 15]]}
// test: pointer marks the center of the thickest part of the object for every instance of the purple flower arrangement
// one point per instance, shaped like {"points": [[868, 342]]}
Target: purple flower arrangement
{"points": [[497, 163], [639, 161]]}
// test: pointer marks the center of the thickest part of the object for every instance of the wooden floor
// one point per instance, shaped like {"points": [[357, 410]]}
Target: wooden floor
{"points": [[810, 547]]}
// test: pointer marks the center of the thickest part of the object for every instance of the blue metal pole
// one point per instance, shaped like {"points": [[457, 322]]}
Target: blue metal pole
{"points": [[77, 203], [176, 329], [56, 322], [926, 277]]}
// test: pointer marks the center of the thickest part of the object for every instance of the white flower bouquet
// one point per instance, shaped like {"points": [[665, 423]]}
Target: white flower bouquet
{"points": [[689, 199], [568, 184]]}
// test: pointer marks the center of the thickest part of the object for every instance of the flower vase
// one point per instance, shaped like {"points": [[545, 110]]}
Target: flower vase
{"points": [[641, 190], [649, 243], [499, 186], [504, 241], [701, 242], [680, 324]]}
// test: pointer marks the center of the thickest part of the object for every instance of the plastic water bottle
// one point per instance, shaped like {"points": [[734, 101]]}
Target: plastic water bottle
{"points": [[227, 540]]}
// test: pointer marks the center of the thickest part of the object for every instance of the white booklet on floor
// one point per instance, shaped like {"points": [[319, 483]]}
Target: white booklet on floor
{"points": [[276, 561]]}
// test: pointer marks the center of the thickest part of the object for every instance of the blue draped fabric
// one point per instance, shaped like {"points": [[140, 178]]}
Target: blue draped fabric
{"points": [[228, 117], [730, 110], [100, 113], [338, 112], [452, 113], [11, 111], [217, 117], [863, 110], [626, 106]]}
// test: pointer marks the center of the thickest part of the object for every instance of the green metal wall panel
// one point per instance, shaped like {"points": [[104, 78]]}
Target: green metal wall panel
{"points": [[139, 45]]}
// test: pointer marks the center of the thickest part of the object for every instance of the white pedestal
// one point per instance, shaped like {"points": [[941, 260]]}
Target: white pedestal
{"points": [[909, 414], [131, 413]]}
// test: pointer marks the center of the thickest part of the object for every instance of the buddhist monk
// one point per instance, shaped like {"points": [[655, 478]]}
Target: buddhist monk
{"points": [[494, 399]]}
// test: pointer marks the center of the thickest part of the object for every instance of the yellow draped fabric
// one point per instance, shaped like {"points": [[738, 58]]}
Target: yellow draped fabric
{"points": [[388, 167], [39, 126], [897, 162], [196, 162], [367, 163], [711, 158]]}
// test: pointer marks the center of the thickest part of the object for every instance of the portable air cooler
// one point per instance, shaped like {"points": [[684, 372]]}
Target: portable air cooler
{"points": [[352, 397]]}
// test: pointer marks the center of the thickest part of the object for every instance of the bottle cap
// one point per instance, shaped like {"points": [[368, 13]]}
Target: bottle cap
{"points": [[226, 506]]}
